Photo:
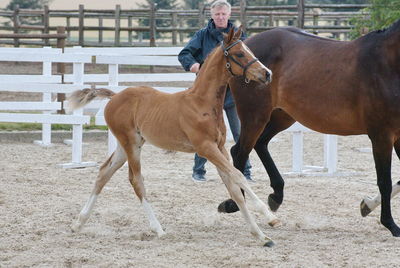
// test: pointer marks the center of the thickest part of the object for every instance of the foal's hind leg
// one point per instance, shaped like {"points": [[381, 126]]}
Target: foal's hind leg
{"points": [[133, 150], [368, 204], [113, 163]]}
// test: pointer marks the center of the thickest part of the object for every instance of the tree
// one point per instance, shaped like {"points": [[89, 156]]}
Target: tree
{"points": [[27, 4], [161, 4], [381, 14]]}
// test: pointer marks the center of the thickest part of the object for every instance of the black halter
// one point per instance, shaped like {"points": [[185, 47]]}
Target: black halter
{"points": [[229, 57]]}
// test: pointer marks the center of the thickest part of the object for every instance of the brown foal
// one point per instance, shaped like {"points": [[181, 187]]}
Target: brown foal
{"points": [[189, 121]]}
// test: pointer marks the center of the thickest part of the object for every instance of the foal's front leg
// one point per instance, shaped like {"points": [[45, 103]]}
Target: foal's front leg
{"points": [[234, 181], [368, 204]]}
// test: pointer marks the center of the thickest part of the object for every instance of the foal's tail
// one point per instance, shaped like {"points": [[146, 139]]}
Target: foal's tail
{"points": [[82, 97]]}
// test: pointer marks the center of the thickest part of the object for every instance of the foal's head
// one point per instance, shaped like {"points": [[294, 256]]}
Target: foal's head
{"points": [[240, 61]]}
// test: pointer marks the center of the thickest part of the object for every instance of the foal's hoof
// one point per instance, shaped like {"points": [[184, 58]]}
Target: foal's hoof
{"points": [[76, 227], [269, 244], [228, 206], [275, 223], [364, 209], [273, 205]]}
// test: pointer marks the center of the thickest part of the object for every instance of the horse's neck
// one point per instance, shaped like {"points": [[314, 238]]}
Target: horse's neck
{"points": [[212, 79]]}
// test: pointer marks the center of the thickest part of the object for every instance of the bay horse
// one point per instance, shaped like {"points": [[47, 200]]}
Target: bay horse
{"points": [[333, 87], [188, 121]]}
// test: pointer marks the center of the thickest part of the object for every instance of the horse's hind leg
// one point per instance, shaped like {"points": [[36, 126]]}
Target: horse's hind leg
{"points": [[368, 204], [136, 179], [113, 163]]}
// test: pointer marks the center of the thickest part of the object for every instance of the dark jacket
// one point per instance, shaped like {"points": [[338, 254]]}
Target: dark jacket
{"points": [[200, 45]]}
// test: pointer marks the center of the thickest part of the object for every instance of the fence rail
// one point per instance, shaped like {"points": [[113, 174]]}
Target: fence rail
{"points": [[152, 26], [49, 84]]}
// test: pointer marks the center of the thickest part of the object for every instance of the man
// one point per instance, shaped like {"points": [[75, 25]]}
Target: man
{"points": [[193, 55]]}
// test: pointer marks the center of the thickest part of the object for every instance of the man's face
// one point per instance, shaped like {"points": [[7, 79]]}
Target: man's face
{"points": [[220, 15]]}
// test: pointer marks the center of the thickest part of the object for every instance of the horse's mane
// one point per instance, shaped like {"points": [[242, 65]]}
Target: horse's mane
{"points": [[307, 34], [388, 30]]}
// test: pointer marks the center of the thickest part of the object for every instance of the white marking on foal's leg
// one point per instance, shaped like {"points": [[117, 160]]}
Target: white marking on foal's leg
{"points": [[84, 214], [259, 204], [373, 202], [237, 196], [155, 225]]}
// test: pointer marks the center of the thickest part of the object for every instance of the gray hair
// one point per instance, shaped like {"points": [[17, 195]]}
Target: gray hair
{"points": [[220, 3]]}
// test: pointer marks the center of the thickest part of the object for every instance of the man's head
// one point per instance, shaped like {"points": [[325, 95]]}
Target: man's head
{"points": [[220, 13]]}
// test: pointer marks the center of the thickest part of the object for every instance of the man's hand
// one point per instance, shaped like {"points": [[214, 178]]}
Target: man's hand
{"points": [[195, 67]]}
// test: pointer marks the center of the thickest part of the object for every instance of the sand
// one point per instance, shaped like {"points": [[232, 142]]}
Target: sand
{"points": [[321, 222]]}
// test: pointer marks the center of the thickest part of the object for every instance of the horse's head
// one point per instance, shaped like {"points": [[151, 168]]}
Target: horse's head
{"points": [[241, 61]]}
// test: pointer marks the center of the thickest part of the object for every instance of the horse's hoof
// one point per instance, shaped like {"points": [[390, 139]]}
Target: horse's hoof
{"points": [[364, 209], [273, 205], [228, 206], [274, 223], [269, 244]]}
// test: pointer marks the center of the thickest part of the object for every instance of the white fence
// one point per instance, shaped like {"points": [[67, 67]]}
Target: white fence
{"points": [[48, 84]]}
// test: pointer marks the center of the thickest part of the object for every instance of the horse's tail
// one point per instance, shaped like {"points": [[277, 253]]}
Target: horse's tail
{"points": [[82, 97]]}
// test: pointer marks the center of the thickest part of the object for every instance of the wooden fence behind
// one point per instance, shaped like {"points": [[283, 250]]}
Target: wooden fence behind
{"points": [[152, 26]]}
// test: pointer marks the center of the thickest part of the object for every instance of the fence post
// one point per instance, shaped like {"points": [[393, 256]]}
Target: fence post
{"points": [[81, 25], [16, 24], [117, 17], [174, 25], [315, 21], [181, 34], [243, 19], [201, 14], [46, 24], [100, 30], [300, 13], [130, 30], [68, 27], [152, 19], [46, 97], [61, 67], [330, 153], [297, 153]]}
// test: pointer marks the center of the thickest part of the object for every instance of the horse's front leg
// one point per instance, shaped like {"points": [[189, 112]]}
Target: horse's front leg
{"points": [[382, 151], [368, 204], [279, 122]]}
